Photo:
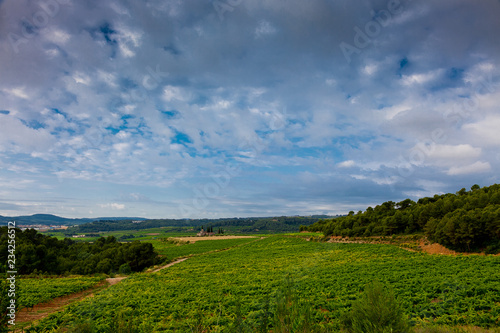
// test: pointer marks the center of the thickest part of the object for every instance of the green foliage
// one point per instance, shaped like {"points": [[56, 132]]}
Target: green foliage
{"points": [[36, 252], [35, 291], [376, 311], [465, 221], [291, 313], [4, 303], [125, 269], [82, 327]]}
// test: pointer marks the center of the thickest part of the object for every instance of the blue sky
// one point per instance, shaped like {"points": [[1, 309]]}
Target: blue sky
{"points": [[168, 109]]}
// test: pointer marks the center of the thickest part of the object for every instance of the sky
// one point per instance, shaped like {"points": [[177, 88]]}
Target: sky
{"points": [[233, 108]]}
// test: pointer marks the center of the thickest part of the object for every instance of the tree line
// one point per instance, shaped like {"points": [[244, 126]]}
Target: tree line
{"points": [[464, 221], [36, 252], [249, 224]]}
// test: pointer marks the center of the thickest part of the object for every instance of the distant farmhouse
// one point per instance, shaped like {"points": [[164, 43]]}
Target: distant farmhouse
{"points": [[204, 232], [208, 232]]}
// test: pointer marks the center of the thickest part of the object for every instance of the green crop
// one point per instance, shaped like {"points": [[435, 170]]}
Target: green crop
{"points": [[35, 291], [220, 290]]}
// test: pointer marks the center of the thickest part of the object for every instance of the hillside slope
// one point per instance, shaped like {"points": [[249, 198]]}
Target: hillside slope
{"points": [[464, 221]]}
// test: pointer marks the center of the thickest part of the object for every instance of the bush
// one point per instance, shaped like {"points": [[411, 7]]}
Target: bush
{"points": [[376, 311], [125, 269], [290, 313]]}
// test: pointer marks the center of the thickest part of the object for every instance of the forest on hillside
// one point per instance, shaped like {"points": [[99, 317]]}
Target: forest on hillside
{"points": [[246, 224], [37, 253], [464, 221]]}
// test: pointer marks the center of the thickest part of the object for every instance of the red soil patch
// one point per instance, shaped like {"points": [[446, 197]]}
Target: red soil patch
{"points": [[435, 248]]}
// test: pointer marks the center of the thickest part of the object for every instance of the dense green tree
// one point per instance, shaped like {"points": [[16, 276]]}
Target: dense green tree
{"points": [[39, 253], [465, 221]]}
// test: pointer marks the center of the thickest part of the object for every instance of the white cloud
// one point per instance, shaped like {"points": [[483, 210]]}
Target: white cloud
{"points": [[129, 41], [346, 164], [112, 206], [418, 78], [58, 36], [485, 132], [370, 69], [82, 78], [171, 93], [478, 167], [18, 92], [447, 155], [264, 28], [393, 111]]}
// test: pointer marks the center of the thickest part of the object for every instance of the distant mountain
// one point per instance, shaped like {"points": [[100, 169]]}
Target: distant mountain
{"points": [[48, 219]]}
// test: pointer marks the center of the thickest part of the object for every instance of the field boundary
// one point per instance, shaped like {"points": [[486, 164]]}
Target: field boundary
{"points": [[177, 261]]}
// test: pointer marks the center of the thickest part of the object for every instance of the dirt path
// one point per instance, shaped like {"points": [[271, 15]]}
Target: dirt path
{"points": [[113, 281], [168, 265], [40, 311]]}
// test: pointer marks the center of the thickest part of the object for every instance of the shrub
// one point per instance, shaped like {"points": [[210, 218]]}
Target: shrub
{"points": [[376, 311], [125, 269]]}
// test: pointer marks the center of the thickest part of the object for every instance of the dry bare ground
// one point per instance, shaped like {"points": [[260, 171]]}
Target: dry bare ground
{"points": [[168, 265], [115, 280], [435, 248], [195, 239]]}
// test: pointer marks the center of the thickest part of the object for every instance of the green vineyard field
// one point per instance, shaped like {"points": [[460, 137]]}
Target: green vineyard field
{"points": [[208, 290], [35, 291]]}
